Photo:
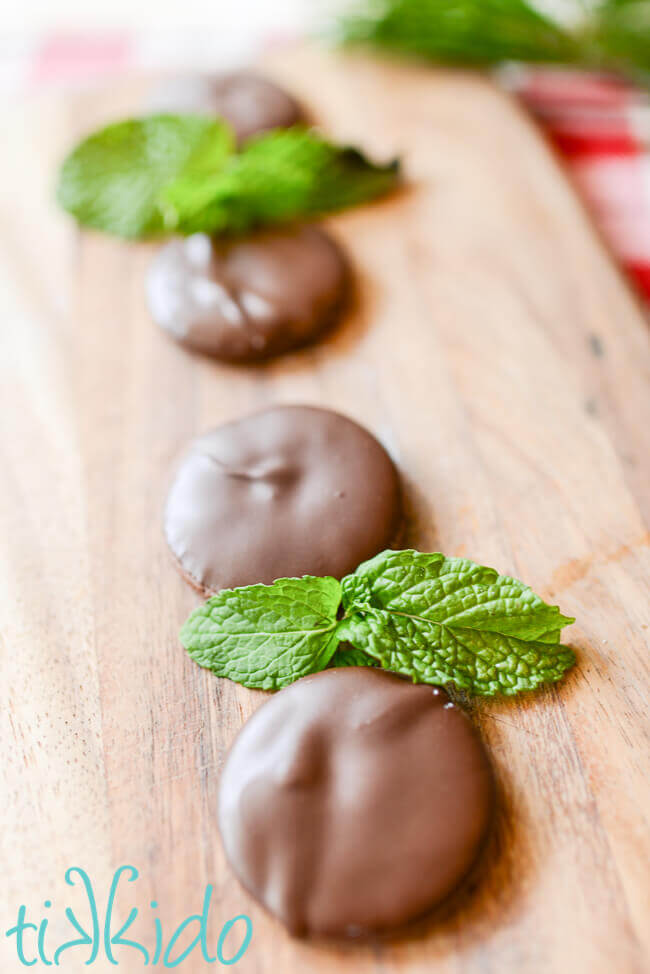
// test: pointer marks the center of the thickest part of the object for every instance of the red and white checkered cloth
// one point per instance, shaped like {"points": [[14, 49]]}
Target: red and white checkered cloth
{"points": [[599, 124], [601, 127]]}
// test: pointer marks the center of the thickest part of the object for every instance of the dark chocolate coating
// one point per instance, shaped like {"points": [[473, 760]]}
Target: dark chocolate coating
{"points": [[289, 491], [247, 299], [248, 101], [353, 802]]}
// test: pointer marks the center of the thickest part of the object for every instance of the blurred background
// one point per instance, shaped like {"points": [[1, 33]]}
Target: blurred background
{"points": [[598, 121], [75, 39], [537, 464]]}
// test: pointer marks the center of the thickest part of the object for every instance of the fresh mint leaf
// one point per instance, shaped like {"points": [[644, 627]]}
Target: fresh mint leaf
{"points": [[112, 180], [449, 620], [606, 34], [181, 173], [348, 655], [481, 662], [435, 619], [619, 34], [473, 32], [266, 636], [454, 591], [285, 175]]}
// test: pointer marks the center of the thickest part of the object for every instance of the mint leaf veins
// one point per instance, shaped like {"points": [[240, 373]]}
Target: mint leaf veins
{"points": [[449, 620], [453, 591], [348, 655], [266, 636], [434, 619]]}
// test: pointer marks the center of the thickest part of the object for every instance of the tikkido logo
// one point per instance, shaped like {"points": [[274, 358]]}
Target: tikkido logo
{"points": [[93, 939]]}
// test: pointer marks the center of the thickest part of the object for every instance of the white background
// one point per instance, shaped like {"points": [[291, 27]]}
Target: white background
{"points": [[236, 15]]}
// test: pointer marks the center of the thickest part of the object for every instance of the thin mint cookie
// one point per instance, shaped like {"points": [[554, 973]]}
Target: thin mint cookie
{"points": [[290, 491], [249, 102], [353, 802], [251, 298]]}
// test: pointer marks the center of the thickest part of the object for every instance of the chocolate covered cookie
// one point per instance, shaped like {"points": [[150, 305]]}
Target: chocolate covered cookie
{"points": [[353, 802], [248, 101], [247, 299], [290, 491]]}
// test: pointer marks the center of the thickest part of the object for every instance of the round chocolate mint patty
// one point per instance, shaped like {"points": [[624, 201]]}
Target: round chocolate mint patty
{"points": [[248, 101], [353, 802], [286, 492], [249, 298]]}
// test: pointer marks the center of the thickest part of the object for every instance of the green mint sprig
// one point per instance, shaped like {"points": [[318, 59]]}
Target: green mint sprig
{"points": [[606, 34], [348, 655], [266, 636], [183, 174], [619, 37], [474, 32], [434, 619], [289, 174], [113, 179]]}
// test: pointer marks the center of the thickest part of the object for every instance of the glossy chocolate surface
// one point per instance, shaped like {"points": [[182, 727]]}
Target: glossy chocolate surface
{"points": [[353, 802], [290, 491], [247, 299], [250, 102]]}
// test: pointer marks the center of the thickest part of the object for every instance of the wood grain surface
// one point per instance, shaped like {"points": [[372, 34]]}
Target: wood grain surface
{"points": [[496, 352]]}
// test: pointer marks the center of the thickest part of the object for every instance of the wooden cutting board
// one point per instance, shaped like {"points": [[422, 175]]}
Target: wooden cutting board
{"points": [[497, 353]]}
